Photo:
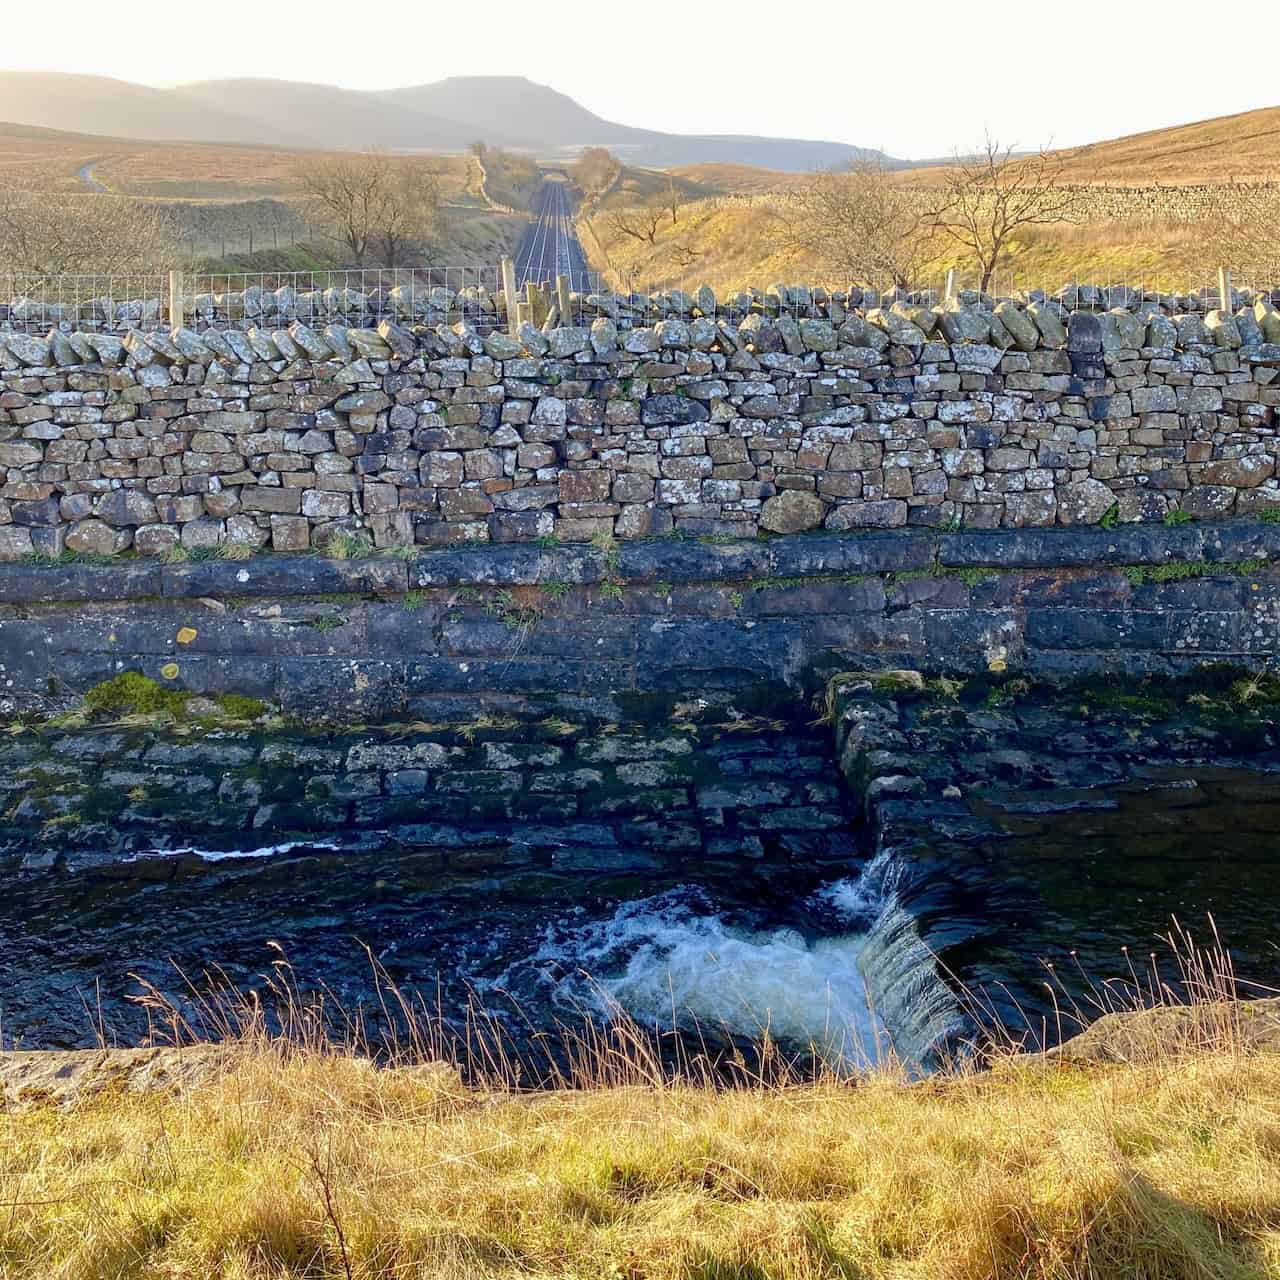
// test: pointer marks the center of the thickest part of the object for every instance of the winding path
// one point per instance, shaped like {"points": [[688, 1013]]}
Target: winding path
{"points": [[85, 174]]}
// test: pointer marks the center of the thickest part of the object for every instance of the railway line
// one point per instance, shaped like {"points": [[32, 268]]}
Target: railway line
{"points": [[551, 247]]}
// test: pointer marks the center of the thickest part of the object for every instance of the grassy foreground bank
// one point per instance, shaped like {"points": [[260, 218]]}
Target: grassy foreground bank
{"points": [[316, 1165]]}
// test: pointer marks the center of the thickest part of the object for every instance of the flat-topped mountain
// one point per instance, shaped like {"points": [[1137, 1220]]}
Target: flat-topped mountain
{"points": [[507, 111]]}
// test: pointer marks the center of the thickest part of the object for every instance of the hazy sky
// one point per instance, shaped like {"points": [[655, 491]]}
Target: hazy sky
{"points": [[917, 77]]}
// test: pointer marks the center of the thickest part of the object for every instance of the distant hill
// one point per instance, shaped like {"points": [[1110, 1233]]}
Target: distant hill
{"points": [[341, 119], [11, 132], [1243, 147], [558, 124], [115, 108], [507, 111]]}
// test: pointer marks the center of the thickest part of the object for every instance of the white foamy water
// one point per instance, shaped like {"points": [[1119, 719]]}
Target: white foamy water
{"points": [[899, 968], [226, 855], [673, 960], [858, 900]]}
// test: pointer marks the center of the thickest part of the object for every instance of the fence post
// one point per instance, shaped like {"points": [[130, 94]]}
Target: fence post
{"points": [[537, 301], [950, 290], [509, 292], [176, 317], [1224, 289], [562, 295]]}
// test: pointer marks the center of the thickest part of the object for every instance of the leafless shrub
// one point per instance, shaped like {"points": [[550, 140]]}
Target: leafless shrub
{"points": [[860, 225], [44, 234], [643, 222], [594, 170]]}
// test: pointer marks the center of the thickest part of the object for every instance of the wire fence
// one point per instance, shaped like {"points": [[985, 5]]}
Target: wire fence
{"points": [[476, 297]]}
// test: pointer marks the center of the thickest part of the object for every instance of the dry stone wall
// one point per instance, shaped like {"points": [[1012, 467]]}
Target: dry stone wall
{"points": [[1098, 202], [974, 414]]}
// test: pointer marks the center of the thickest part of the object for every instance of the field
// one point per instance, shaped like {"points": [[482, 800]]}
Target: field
{"points": [[178, 171], [233, 204], [1241, 148], [1148, 200], [735, 242]]}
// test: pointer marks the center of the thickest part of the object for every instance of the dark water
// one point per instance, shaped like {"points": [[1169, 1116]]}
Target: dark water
{"points": [[1100, 902], [726, 945], [723, 945]]}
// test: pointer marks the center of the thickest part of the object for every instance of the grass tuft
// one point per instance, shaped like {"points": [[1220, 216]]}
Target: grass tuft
{"points": [[342, 545]]}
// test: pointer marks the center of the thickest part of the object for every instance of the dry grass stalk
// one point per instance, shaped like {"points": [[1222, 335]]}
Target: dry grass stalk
{"points": [[303, 1158]]}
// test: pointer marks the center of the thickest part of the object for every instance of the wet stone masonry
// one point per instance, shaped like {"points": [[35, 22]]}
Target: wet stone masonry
{"points": [[961, 415], [953, 775], [520, 794], [450, 632]]}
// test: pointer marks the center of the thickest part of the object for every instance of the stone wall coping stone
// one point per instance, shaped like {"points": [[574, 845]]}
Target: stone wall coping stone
{"points": [[674, 560], [284, 575], [1066, 548], [35, 583]]}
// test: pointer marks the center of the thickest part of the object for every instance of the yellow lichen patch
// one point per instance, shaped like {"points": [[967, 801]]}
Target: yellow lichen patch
{"points": [[187, 634], [169, 671]]}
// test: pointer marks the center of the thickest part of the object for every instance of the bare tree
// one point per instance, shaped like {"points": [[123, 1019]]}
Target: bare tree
{"points": [[858, 224], [673, 201], [44, 234], [372, 204], [410, 217], [993, 194], [643, 222]]}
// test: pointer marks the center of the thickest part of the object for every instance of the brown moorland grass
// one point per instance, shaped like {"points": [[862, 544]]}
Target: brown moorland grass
{"points": [[733, 245], [1148, 1148], [177, 170], [322, 1165]]}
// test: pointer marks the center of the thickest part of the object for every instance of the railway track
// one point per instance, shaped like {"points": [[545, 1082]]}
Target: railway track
{"points": [[551, 247]]}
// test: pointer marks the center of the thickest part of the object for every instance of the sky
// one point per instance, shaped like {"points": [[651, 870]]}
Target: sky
{"points": [[919, 78]]}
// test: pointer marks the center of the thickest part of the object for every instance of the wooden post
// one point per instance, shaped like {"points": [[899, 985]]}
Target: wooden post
{"points": [[1224, 289], [949, 291], [176, 316], [509, 293], [538, 303], [562, 296]]}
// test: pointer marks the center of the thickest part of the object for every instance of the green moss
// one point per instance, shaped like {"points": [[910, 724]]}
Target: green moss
{"points": [[1181, 570], [238, 707], [132, 693], [970, 575]]}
